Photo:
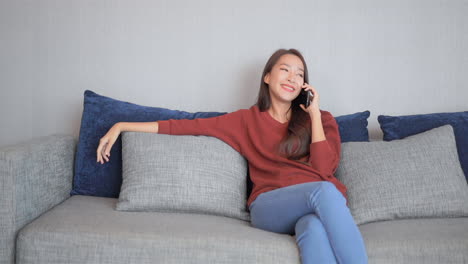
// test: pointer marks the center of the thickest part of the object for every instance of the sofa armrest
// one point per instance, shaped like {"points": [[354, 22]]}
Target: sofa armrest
{"points": [[34, 177]]}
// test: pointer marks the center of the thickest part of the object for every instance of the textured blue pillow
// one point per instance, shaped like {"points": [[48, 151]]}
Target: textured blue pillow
{"points": [[353, 127], [100, 113], [397, 127]]}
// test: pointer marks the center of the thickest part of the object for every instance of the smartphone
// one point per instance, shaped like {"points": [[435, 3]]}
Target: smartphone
{"points": [[305, 97]]}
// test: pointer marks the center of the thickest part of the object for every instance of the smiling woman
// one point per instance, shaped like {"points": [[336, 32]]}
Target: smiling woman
{"points": [[293, 152], [283, 77]]}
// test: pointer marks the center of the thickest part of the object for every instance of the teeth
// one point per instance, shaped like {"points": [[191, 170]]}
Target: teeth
{"points": [[287, 87]]}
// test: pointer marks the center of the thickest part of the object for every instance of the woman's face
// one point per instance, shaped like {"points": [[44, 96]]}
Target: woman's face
{"points": [[286, 78]]}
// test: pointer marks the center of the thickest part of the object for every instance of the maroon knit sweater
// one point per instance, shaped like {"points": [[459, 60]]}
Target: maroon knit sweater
{"points": [[256, 136]]}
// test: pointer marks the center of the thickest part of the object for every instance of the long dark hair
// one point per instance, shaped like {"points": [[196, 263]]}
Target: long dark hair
{"points": [[296, 143]]}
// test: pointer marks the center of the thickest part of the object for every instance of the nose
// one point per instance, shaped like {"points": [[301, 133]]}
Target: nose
{"points": [[292, 77]]}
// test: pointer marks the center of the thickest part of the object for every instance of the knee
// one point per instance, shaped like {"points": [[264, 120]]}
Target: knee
{"points": [[308, 223], [329, 191]]}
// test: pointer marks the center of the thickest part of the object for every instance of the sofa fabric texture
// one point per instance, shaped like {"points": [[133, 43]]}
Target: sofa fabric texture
{"points": [[34, 177], [191, 174], [418, 176], [412, 241], [397, 127], [87, 229]]}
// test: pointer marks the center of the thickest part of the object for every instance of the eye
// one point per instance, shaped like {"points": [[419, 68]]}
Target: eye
{"points": [[301, 75], [283, 69]]}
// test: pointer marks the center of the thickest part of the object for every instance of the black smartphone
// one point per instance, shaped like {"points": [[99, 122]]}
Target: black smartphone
{"points": [[305, 97]]}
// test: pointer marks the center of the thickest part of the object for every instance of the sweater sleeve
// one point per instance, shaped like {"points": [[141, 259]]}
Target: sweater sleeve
{"points": [[325, 154], [229, 128]]}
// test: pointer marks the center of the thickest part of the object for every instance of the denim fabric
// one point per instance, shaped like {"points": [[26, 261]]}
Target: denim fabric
{"points": [[317, 214]]}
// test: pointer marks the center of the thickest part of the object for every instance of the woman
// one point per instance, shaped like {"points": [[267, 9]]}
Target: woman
{"points": [[293, 152]]}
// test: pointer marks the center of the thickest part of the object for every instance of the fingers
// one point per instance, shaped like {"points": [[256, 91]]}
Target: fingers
{"points": [[103, 151], [98, 151], [104, 154], [307, 87], [108, 149]]}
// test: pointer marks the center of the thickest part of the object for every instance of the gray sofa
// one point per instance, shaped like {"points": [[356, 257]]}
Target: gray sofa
{"points": [[41, 223]]}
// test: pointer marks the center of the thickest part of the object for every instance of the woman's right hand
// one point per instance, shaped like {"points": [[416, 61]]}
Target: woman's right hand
{"points": [[106, 142]]}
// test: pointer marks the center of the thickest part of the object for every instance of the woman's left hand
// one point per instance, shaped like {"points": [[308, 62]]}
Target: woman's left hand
{"points": [[314, 103]]}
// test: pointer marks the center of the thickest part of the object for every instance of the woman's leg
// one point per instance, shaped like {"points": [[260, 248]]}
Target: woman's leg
{"points": [[310, 233], [279, 211]]}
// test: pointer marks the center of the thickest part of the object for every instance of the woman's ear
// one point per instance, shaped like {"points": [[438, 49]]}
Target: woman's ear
{"points": [[266, 79]]}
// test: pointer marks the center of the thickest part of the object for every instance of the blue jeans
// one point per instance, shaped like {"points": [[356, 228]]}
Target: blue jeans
{"points": [[317, 214]]}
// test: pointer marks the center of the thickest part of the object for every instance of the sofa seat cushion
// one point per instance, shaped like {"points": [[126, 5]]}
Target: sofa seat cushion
{"points": [[86, 229], [425, 240]]}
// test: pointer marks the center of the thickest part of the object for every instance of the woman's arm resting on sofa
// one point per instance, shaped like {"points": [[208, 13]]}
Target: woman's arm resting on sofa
{"points": [[108, 140]]}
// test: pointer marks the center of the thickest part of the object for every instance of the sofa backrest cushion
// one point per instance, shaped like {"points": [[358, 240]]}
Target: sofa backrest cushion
{"points": [[397, 127], [189, 174], [418, 176], [353, 127]]}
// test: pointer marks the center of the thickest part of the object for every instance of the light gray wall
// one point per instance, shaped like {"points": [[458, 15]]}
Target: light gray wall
{"points": [[390, 57]]}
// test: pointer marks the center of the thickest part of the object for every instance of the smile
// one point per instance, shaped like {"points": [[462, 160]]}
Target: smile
{"points": [[287, 88]]}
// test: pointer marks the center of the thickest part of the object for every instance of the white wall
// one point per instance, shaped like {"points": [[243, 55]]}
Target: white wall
{"points": [[389, 57]]}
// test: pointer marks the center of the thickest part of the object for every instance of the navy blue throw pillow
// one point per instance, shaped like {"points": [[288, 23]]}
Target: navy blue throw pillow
{"points": [[353, 127], [398, 127], [100, 113]]}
